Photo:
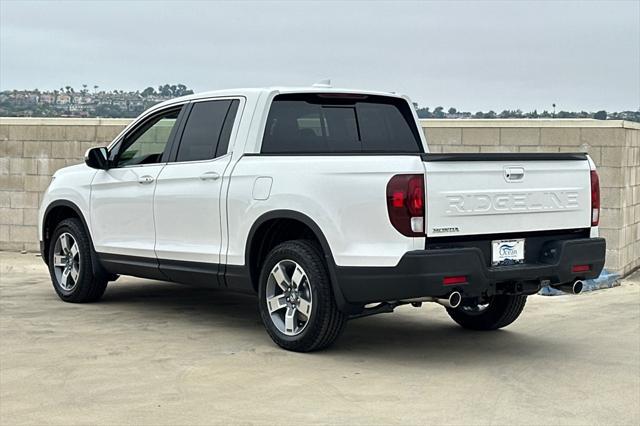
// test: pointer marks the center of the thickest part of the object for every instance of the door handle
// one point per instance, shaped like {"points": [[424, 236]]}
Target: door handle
{"points": [[210, 176], [145, 179]]}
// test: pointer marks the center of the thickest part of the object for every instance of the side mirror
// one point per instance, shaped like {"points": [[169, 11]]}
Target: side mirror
{"points": [[97, 158]]}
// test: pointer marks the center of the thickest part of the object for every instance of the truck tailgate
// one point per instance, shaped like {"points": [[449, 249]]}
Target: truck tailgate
{"points": [[471, 194]]}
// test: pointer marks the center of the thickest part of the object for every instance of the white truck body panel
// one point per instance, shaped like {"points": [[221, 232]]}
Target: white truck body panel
{"points": [[344, 195], [477, 197]]}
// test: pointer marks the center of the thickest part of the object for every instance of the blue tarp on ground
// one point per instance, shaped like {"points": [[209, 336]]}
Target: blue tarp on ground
{"points": [[605, 280]]}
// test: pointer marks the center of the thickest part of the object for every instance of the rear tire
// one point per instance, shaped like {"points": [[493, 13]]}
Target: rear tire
{"points": [[71, 266], [296, 301], [501, 311]]}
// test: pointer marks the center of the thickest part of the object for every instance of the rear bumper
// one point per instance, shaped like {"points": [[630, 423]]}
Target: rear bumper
{"points": [[420, 273]]}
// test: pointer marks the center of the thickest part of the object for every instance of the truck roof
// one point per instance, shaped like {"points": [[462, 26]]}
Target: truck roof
{"points": [[257, 91]]}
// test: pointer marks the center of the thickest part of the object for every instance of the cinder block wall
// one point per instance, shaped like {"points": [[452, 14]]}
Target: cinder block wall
{"points": [[613, 145], [31, 149]]}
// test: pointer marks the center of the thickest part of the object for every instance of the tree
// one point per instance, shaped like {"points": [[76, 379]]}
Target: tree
{"points": [[424, 113], [181, 90], [452, 111], [438, 112], [600, 115], [148, 92], [164, 90]]}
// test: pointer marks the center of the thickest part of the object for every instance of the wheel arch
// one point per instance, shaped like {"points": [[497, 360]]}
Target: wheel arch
{"points": [[265, 228], [56, 212]]}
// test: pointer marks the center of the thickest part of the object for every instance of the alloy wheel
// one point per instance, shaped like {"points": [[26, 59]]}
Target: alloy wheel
{"points": [[289, 297], [66, 261]]}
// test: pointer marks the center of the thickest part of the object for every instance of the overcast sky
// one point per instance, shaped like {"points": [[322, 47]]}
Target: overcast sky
{"points": [[471, 55]]}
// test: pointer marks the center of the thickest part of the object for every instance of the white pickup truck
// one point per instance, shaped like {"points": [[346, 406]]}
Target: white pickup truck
{"points": [[326, 203]]}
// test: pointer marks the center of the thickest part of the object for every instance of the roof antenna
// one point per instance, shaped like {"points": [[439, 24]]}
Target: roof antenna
{"points": [[326, 83]]}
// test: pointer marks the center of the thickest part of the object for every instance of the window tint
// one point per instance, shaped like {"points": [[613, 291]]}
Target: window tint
{"points": [[147, 143], [317, 123], [207, 130], [223, 143]]}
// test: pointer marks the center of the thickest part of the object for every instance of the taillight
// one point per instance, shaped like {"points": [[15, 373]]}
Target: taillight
{"points": [[405, 203], [595, 198]]}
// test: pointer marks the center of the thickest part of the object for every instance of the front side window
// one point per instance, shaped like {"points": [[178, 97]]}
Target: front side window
{"points": [[146, 144], [337, 123], [207, 130]]}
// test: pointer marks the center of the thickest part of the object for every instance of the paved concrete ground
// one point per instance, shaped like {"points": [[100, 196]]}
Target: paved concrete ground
{"points": [[156, 353]]}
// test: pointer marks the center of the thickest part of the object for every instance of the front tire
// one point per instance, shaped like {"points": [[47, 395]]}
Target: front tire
{"points": [[296, 301], [498, 312], [70, 264]]}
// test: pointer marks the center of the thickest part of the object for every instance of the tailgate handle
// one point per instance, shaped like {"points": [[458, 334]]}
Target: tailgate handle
{"points": [[514, 174]]}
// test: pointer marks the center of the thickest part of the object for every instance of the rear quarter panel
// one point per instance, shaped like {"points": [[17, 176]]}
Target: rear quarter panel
{"points": [[344, 195]]}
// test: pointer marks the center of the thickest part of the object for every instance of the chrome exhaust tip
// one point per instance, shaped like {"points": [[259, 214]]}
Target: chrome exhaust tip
{"points": [[572, 288], [453, 301], [577, 287]]}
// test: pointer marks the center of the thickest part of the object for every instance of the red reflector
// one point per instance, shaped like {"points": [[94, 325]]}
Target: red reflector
{"points": [[454, 280], [580, 268]]}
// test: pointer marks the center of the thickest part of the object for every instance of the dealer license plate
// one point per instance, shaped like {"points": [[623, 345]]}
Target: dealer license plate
{"points": [[507, 252]]}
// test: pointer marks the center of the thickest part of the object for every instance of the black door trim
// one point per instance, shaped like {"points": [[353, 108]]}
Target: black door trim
{"points": [[179, 271], [137, 266], [197, 273]]}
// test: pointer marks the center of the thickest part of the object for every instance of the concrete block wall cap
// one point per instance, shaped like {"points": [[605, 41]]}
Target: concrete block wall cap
{"points": [[527, 122], [425, 122], [61, 121]]}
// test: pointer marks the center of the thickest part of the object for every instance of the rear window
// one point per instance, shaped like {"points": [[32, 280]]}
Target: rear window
{"points": [[335, 123]]}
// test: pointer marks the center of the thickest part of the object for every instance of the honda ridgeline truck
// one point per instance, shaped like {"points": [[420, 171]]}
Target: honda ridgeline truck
{"points": [[328, 205]]}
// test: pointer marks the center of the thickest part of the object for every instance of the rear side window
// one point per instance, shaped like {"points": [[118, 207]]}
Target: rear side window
{"points": [[207, 130], [335, 123]]}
